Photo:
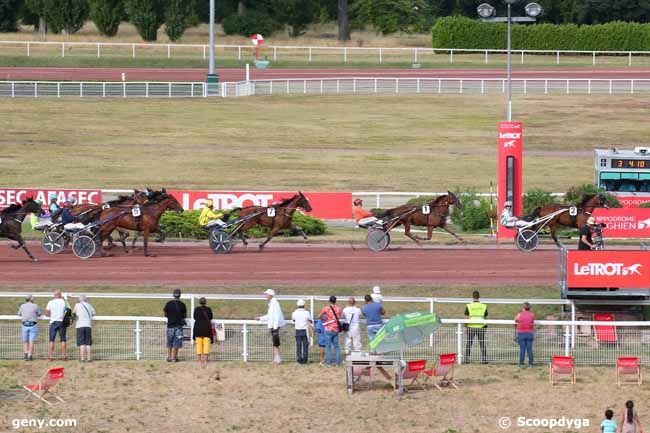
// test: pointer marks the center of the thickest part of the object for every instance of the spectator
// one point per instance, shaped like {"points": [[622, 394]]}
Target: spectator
{"points": [[525, 320], [608, 425], [84, 313], [477, 312], [630, 422], [203, 331], [352, 314], [56, 310], [373, 311], [274, 320], [175, 312], [302, 321], [331, 316], [29, 314], [376, 295], [322, 339]]}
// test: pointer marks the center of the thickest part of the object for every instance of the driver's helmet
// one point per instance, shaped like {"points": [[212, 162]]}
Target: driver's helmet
{"points": [[358, 202], [52, 196], [508, 203], [67, 204], [209, 203]]}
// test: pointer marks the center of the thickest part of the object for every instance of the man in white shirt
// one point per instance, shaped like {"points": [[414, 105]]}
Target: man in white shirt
{"points": [[376, 295], [55, 310], [84, 313], [274, 320], [352, 313], [302, 321]]}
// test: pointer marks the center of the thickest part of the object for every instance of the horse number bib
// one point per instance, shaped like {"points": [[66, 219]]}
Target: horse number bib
{"points": [[136, 211], [426, 209], [270, 212], [573, 211], [106, 206]]}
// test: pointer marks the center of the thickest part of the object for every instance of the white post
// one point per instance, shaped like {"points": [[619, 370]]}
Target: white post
{"points": [[123, 89], [439, 85], [509, 71], [567, 340], [380, 55], [62, 49], [589, 86], [525, 86], [396, 85], [287, 87], [245, 342], [204, 48], [415, 55], [13, 89], [557, 58], [629, 58], [593, 58], [81, 90], [169, 51], [239, 52], [354, 85], [103, 90], [146, 94], [138, 330], [431, 311], [28, 49], [169, 88], [248, 72], [345, 54], [378, 200], [275, 53], [338, 86], [522, 57], [321, 86], [573, 324], [192, 315], [460, 88], [58, 90], [311, 306], [482, 87], [375, 85], [610, 86], [451, 56], [486, 57], [98, 53], [271, 88], [309, 54], [304, 87], [418, 85], [459, 342], [133, 51], [567, 86], [631, 86], [545, 87], [36, 90]]}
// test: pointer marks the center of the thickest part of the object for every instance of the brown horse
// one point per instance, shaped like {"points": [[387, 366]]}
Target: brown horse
{"points": [[276, 217], [147, 222], [431, 215], [11, 222], [583, 211]]}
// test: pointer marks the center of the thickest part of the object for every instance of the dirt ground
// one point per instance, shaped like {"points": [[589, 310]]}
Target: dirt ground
{"points": [[155, 396]]}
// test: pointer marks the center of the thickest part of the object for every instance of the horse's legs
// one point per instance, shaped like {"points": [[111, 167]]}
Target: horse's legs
{"points": [[407, 232], [458, 238], [135, 238], [274, 232], [299, 230], [553, 229], [21, 244], [145, 240]]}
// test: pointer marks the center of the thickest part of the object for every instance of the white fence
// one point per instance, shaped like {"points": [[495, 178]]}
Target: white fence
{"points": [[90, 89], [315, 54]]}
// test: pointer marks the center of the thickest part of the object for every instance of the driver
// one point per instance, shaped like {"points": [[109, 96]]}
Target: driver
{"points": [[508, 220], [209, 217], [67, 219], [362, 217], [586, 243]]}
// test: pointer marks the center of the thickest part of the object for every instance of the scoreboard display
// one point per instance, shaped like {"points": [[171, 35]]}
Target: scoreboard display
{"points": [[639, 164]]}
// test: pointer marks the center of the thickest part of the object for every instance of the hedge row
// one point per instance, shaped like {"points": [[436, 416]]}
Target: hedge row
{"points": [[462, 32]]}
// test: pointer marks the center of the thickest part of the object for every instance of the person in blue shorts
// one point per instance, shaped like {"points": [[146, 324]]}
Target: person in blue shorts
{"points": [[322, 339]]}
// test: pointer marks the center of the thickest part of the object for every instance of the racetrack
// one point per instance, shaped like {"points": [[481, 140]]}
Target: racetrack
{"points": [[238, 74], [287, 265]]}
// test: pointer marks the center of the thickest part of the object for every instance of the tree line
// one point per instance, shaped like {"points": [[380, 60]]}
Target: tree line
{"points": [[267, 16]]}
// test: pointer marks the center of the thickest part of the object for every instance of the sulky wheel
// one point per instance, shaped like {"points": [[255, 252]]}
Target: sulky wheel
{"points": [[527, 240], [53, 242], [220, 241], [84, 246], [377, 240]]}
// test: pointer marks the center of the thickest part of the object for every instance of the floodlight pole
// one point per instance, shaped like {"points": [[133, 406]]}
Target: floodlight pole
{"points": [[509, 67], [212, 77]]}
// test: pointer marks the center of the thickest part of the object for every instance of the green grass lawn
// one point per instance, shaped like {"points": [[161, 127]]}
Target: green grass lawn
{"points": [[316, 143]]}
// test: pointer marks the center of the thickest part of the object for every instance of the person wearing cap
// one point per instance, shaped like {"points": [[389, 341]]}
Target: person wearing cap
{"points": [[209, 217], [352, 314], [53, 205], [29, 314], [332, 316], [175, 312], [376, 295], [586, 243], [274, 320], [507, 219], [302, 322], [362, 217]]}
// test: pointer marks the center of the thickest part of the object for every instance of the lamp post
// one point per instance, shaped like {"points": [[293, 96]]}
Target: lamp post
{"points": [[212, 77], [487, 12]]}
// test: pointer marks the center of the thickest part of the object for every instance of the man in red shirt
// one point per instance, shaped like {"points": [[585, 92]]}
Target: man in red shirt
{"points": [[331, 317], [525, 320], [361, 216]]}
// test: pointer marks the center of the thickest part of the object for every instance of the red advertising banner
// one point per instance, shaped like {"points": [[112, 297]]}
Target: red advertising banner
{"points": [[509, 172], [9, 196], [608, 269], [624, 223], [632, 200], [326, 205]]}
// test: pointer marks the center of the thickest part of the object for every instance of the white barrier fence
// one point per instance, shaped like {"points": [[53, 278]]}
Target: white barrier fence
{"points": [[315, 54], [90, 89]]}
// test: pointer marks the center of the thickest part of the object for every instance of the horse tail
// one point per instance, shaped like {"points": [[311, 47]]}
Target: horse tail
{"points": [[536, 212], [226, 215], [381, 213]]}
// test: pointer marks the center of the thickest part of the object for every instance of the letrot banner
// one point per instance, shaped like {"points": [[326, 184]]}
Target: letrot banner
{"points": [[608, 269], [631, 201], [326, 205], [9, 196], [624, 223]]}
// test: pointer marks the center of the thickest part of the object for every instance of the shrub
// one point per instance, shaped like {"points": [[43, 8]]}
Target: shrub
{"points": [[298, 14], [106, 14], [9, 15], [178, 15], [249, 23], [645, 205], [390, 16], [536, 198], [146, 15], [68, 15], [475, 214], [575, 193]]}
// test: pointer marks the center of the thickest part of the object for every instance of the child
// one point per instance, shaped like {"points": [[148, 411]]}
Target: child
{"points": [[608, 425], [322, 339], [630, 422]]}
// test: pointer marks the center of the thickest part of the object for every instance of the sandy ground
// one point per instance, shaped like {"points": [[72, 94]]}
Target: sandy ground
{"points": [[156, 396]]}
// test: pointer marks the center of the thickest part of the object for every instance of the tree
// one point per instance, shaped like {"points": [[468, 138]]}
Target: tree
{"points": [[343, 18], [65, 15], [390, 16], [37, 7], [296, 13], [9, 15], [147, 16], [106, 14], [178, 15]]}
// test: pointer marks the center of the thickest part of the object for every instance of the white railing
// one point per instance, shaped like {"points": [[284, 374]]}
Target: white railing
{"points": [[315, 54], [126, 337], [113, 89]]}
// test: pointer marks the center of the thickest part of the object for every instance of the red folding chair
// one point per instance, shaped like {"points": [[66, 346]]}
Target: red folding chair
{"points": [[562, 366], [358, 373], [605, 333], [412, 371], [46, 385], [444, 370], [628, 366]]}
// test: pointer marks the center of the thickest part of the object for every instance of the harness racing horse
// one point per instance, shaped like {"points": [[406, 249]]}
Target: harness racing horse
{"points": [[437, 211], [584, 209], [146, 222], [276, 217], [11, 222]]}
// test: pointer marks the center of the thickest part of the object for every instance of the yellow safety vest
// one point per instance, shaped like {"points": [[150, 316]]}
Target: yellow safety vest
{"points": [[477, 313]]}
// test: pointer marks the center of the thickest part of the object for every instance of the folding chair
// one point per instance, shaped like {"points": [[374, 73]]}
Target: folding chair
{"points": [[562, 365], [628, 366], [412, 371], [444, 370], [605, 333], [46, 385]]}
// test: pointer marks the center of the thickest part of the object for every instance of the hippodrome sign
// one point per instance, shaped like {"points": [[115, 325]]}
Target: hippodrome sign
{"points": [[328, 205], [625, 222], [9, 196], [608, 269], [509, 172]]}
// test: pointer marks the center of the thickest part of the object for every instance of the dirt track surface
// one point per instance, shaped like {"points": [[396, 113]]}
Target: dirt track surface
{"points": [[238, 74], [282, 264]]}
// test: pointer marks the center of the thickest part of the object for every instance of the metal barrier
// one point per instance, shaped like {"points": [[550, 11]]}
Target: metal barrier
{"points": [[143, 338], [316, 54], [90, 89]]}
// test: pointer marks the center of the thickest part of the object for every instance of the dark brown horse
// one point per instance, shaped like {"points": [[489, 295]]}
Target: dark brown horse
{"points": [[276, 217], [147, 222], [583, 211], [431, 215], [11, 222]]}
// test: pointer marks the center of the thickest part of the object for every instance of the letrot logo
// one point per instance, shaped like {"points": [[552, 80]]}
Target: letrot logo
{"points": [[644, 224], [509, 143], [510, 135], [606, 269]]}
